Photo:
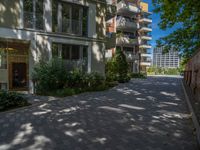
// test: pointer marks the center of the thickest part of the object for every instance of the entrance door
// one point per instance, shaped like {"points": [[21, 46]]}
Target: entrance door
{"points": [[19, 78]]}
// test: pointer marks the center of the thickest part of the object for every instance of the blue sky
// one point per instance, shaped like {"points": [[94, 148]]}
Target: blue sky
{"points": [[157, 32]]}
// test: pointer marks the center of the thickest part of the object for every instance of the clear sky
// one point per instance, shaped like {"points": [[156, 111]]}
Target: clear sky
{"points": [[157, 32]]}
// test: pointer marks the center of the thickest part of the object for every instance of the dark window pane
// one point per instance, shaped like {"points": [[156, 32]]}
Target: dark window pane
{"points": [[65, 52], [55, 50], [55, 15], [85, 51], [66, 18], [85, 22], [28, 14], [75, 52], [39, 14]]}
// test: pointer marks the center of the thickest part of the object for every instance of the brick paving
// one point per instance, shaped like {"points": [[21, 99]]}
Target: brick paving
{"points": [[148, 114]]}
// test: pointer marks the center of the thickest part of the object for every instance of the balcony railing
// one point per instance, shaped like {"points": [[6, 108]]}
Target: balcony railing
{"points": [[80, 64], [123, 23], [33, 20], [71, 26], [146, 20], [146, 37], [125, 7], [126, 40], [111, 11], [130, 56]]}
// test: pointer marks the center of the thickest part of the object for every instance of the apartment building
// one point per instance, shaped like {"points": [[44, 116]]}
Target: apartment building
{"points": [[145, 37], [161, 59], [34, 30], [131, 29]]}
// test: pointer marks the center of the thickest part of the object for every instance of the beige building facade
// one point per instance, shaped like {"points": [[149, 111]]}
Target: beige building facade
{"points": [[34, 30]]}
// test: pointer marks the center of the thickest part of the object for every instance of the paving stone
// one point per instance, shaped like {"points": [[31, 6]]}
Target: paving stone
{"points": [[148, 114]]}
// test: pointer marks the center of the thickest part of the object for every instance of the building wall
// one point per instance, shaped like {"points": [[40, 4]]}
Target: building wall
{"points": [[10, 13], [144, 6], [40, 42], [165, 60], [192, 74]]}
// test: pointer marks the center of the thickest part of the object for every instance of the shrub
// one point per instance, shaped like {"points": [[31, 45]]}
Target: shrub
{"points": [[117, 68], [11, 100], [137, 75], [49, 76], [110, 71]]}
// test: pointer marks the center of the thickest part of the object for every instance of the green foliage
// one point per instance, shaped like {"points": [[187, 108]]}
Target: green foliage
{"points": [[51, 78], [110, 71], [137, 75], [117, 68], [10, 100], [49, 75], [184, 13], [163, 71]]}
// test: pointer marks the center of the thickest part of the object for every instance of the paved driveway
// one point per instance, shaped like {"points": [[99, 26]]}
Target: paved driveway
{"points": [[140, 115]]}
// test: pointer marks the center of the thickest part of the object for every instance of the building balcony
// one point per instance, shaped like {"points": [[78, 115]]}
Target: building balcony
{"points": [[123, 24], [146, 46], [145, 29], [127, 8], [125, 40], [145, 55], [130, 56], [146, 37], [145, 63], [111, 11], [146, 20]]}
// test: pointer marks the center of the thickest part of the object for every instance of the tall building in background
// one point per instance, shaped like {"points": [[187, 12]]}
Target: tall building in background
{"points": [[131, 29], [144, 37], [165, 60]]}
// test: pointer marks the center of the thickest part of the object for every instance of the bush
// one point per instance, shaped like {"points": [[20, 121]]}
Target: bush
{"points": [[49, 76], [10, 100], [117, 68], [137, 75]]}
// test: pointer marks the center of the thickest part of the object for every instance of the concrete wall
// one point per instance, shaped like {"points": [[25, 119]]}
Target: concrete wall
{"points": [[192, 74], [144, 6], [10, 13]]}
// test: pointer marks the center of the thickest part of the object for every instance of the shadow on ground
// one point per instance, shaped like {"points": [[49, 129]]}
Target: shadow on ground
{"points": [[140, 115]]}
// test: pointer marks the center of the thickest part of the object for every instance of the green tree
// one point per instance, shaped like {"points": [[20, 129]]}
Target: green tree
{"points": [[121, 65], [186, 13]]}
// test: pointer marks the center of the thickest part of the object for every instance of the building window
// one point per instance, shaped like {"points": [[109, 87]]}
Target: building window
{"points": [[70, 18], [72, 55], [3, 58], [66, 50], [39, 11], [33, 14]]}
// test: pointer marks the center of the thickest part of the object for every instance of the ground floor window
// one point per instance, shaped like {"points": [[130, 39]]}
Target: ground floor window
{"points": [[74, 56]]}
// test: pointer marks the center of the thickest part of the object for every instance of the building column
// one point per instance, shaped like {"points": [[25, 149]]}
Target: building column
{"points": [[48, 15]]}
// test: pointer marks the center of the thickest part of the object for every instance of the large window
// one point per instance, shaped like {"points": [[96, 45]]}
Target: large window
{"points": [[33, 14], [70, 18], [73, 55], [3, 58]]}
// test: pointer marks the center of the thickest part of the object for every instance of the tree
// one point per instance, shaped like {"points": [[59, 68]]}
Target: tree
{"points": [[186, 13], [121, 65]]}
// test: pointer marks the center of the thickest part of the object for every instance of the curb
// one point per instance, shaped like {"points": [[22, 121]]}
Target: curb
{"points": [[194, 118]]}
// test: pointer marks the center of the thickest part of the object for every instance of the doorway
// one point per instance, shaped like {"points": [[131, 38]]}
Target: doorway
{"points": [[19, 75]]}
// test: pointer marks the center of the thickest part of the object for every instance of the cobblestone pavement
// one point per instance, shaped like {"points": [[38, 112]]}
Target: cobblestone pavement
{"points": [[148, 114]]}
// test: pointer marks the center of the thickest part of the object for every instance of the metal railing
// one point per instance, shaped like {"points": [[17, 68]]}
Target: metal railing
{"points": [[123, 22], [80, 64], [71, 26]]}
